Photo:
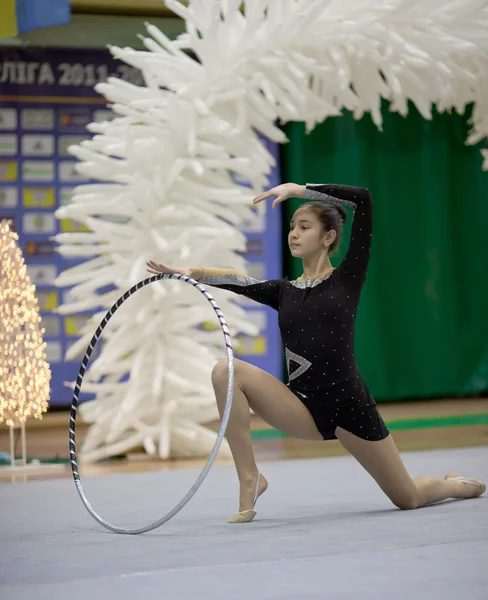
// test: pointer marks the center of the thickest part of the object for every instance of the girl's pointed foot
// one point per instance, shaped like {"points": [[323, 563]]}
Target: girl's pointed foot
{"points": [[474, 487], [247, 515]]}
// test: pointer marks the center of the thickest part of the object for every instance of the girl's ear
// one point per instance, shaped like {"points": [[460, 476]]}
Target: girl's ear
{"points": [[330, 237]]}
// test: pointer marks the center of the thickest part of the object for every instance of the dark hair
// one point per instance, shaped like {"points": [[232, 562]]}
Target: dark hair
{"points": [[331, 215]]}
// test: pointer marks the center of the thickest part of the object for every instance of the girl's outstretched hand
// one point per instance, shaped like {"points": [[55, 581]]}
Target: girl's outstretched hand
{"points": [[282, 193], [156, 269]]}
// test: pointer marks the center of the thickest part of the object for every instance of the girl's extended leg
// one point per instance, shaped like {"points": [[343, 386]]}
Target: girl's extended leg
{"points": [[383, 462], [271, 400]]}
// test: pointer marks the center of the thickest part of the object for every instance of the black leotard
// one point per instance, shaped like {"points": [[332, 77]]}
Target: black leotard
{"points": [[317, 320]]}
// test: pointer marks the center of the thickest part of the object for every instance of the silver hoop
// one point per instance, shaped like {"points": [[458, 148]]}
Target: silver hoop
{"points": [[223, 426]]}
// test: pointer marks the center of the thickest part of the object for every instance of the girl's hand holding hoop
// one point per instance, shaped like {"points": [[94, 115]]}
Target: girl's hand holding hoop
{"points": [[282, 193]]}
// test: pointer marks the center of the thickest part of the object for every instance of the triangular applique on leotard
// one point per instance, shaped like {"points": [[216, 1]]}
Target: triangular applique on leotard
{"points": [[303, 364]]}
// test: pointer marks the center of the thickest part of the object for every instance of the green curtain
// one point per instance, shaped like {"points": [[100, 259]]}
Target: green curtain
{"points": [[422, 325]]}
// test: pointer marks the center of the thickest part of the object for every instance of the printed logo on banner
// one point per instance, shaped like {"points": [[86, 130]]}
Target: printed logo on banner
{"points": [[67, 171], [33, 170], [252, 346], [42, 274], [37, 145], [38, 197], [8, 145], [8, 197], [11, 221], [65, 141], [74, 324], [47, 300], [54, 352], [44, 249], [9, 170], [51, 325], [72, 226], [8, 119], [39, 223], [65, 195], [37, 118], [74, 118]]}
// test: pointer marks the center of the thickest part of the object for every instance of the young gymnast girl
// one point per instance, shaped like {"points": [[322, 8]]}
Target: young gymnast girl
{"points": [[326, 397]]}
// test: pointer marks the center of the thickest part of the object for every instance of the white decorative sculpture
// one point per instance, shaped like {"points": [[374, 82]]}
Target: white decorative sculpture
{"points": [[164, 164]]}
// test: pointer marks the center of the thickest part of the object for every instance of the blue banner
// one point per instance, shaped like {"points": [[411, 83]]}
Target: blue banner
{"points": [[46, 103]]}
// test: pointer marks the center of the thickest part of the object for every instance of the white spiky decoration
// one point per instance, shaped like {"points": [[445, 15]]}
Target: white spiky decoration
{"points": [[165, 164]]}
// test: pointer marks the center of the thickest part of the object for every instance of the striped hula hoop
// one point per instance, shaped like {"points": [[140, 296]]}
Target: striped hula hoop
{"points": [[223, 426]]}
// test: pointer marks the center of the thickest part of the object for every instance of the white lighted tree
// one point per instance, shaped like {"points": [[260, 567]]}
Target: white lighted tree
{"points": [[24, 373], [165, 166]]}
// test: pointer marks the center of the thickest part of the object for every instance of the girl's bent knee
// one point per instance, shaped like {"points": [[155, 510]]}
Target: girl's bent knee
{"points": [[220, 373], [406, 502]]}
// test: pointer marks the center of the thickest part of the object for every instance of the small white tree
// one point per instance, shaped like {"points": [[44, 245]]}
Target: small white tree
{"points": [[24, 373]]}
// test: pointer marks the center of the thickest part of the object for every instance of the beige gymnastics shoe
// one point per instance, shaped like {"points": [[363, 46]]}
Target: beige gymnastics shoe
{"points": [[477, 487], [245, 516]]}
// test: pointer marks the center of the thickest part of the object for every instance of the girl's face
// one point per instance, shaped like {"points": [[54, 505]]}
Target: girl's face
{"points": [[307, 236]]}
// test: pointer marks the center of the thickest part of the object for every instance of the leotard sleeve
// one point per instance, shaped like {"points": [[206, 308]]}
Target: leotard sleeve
{"points": [[265, 292], [355, 263]]}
